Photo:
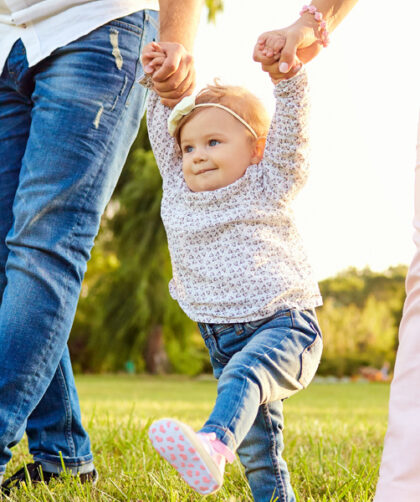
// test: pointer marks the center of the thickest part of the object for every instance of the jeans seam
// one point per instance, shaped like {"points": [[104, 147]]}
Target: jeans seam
{"points": [[66, 400], [26, 401], [151, 19], [136, 71], [273, 456], [244, 384], [56, 460], [127, 26]]}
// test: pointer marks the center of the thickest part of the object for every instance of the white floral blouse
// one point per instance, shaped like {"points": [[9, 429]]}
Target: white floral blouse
{"points": [[236, 253]]}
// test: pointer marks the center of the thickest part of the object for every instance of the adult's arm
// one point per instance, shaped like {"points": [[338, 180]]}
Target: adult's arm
{"points": [[178, 26], [301, 39]]}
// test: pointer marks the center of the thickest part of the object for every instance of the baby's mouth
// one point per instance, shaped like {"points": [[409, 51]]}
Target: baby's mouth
{"points": [[206, 170]]}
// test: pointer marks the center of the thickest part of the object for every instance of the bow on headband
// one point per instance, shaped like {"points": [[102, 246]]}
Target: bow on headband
{"points": [[187, 105]]}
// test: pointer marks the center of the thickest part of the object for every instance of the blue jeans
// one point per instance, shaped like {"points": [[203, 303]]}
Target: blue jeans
{"points": [[258, 365], [66, 126]]}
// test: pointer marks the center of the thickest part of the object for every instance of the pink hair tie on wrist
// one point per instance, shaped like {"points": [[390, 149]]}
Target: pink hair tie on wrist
{"points": [[323, 33]]}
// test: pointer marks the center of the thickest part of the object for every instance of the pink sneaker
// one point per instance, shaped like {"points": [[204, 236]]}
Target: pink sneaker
{"points": [[193, 454]]}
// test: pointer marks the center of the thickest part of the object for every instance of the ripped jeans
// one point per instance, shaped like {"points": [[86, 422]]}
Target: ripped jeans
{"points": [[258, 365], [66, 126]]}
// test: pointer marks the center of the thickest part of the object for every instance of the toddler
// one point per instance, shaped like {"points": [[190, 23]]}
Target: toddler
{"points": [[239, 270]]}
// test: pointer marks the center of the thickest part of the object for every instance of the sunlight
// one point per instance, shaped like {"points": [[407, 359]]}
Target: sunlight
{"points": [[357, 207]]}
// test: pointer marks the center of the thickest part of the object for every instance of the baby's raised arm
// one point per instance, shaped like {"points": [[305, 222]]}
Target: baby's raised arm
{"points": [[285, 161]]}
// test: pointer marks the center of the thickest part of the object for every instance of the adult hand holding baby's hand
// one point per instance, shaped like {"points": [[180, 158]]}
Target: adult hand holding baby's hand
{"points": [[281, 51], [172, 70]]}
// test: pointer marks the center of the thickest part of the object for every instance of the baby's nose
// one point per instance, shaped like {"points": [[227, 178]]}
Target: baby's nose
{"points": [[199, 154]]}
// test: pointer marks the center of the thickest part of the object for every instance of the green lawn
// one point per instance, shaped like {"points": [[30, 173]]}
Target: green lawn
{"points": [[333, 436]]}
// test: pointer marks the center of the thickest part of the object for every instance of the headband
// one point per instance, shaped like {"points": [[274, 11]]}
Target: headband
{"points": [[187, 105]]}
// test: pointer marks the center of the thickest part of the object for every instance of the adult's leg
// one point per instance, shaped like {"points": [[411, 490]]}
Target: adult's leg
{"points": [[86, 112], [15, 121], [399, 475], [55, 425], [15, 117]]}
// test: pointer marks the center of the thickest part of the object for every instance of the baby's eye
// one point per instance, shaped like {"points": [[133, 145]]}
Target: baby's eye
{"points": [[214, 142], [187, 149]]}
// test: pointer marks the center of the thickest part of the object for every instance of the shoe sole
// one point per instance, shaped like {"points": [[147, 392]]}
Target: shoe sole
{"points": [[179, 445]]}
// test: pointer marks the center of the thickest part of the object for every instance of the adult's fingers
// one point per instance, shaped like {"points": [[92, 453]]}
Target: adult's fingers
{"points": [[288, 53], [171, 102], [276, 75], [171, 97], [178, 81], [169, 67], [175, 54], [270, 67]]}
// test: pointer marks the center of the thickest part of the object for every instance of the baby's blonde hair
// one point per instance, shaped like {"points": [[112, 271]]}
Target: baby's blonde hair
{"points": [[238, 99]]}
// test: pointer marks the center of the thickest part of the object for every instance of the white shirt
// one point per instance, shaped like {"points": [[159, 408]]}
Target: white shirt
{"points": [[235, 251], [45, 25]]}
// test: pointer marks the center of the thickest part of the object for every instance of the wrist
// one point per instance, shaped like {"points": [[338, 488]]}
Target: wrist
{"points": [[307, 28], [321, 30]]}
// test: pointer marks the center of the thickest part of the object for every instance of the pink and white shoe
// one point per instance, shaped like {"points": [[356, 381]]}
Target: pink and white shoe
{"points": [[196, 456]]}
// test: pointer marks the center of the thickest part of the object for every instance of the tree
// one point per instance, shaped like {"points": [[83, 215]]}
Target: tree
{"points": [[214, 6], [133, 317], [360, 318]]}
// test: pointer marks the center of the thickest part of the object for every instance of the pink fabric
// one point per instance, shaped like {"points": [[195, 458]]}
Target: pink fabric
{"points": [[399, 479], [218, 446]]}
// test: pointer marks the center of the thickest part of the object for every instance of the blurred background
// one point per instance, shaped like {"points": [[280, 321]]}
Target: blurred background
{"points": [[354, 214]]}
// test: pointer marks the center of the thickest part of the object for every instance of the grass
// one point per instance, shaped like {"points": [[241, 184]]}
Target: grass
{"points": [[333, 436]]}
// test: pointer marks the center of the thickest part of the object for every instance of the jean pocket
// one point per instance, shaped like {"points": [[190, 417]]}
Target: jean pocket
{"points": [[128, 23], [231, 341], [219, 347], [216, 358], [310, 360]]}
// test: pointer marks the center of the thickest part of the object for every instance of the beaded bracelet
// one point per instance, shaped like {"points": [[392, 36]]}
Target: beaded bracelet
{"points": [[323, 33]]}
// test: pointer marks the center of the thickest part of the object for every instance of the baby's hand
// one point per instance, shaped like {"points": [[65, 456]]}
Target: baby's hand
{"points": [[152, 57], [270, 44], [267, 51]]}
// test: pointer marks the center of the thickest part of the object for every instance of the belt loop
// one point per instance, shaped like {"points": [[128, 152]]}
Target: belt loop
{"points": [[208, 329], [238, 328], [202, 326]]}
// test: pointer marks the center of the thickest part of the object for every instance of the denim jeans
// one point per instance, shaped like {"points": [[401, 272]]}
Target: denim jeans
{"points": [[66, 126], [258, 365]]}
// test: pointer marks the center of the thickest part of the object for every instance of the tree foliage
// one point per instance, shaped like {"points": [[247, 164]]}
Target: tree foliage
{"points": [[359, 319], [214, 6], [126, 314]]}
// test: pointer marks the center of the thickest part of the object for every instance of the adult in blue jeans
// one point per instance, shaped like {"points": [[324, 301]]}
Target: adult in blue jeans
{"points": [[70, 108]]}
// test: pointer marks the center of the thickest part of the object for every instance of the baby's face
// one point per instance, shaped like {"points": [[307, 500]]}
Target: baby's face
{"points": [[216, 150]]}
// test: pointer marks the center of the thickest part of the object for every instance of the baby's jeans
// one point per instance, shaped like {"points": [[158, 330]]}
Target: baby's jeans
{"points": [[258, 365]]}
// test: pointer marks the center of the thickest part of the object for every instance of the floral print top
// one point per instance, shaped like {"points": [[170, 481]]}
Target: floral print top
{"points": [[236, 253]]}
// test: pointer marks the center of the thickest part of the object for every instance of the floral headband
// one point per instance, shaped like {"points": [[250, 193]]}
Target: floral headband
{"points": [[187, 105]]}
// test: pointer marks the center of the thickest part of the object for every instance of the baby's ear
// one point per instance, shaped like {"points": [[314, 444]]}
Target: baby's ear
{"points": [[258, 150]]}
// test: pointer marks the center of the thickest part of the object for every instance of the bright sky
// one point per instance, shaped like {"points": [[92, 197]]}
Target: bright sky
{"points": [[357, 207]]}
